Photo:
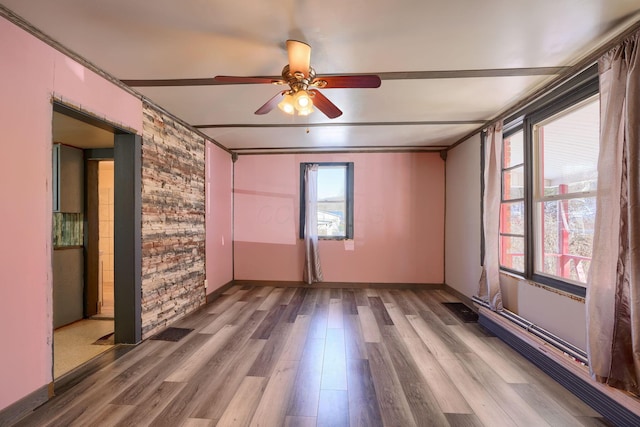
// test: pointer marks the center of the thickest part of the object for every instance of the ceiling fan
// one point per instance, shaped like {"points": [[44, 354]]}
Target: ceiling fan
{"points": [[303, 93]]}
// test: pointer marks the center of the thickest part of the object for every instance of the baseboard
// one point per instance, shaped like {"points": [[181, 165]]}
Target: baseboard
{"points": [[18, 410], [616, 406], [339, 285], [222, 289], [462, 297]]}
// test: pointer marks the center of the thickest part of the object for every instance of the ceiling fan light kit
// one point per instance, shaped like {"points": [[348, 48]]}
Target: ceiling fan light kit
{"points": [[299, 102], [300, 76]]}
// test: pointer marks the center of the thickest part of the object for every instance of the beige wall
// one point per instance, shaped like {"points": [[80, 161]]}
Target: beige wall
{"points": [[462, 223], [558, 313]]}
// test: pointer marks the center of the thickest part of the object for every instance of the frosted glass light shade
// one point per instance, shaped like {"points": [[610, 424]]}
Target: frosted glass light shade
{"points": [[287, 104], [302, 100]]}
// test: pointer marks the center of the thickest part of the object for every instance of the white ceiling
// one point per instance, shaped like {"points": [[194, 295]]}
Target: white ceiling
{"points": [[447, 66]]}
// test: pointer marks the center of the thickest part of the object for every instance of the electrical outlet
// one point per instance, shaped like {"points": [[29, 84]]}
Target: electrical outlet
{"points": [[205, 283]]}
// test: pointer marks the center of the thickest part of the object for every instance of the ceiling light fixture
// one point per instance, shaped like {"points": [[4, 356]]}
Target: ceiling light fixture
{"points": [[297, 102], [303, 95]]}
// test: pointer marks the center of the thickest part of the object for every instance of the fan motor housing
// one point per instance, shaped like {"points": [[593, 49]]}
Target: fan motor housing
{"points": [[297, 81]]}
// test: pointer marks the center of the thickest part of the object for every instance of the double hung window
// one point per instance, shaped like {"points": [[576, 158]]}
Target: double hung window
{"points": [[334, 201]]}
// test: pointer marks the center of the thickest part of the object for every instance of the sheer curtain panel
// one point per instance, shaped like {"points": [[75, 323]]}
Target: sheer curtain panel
{"points": [[489, 285], [312, 272], [613, 303]]}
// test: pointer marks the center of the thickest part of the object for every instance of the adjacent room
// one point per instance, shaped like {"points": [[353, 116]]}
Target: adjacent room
{"points": [[293, 214], [83, 190]]}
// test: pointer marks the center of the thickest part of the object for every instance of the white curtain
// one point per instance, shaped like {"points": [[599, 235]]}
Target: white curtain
{"points": [[312, 271], [613, 303], [489, 285]]}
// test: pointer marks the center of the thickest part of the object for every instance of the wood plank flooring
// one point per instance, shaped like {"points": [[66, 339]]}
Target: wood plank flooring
{"points": [[280, 356]]}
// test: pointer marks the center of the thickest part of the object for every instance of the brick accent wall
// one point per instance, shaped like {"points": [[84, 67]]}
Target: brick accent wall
{"points": [[173, 221]]}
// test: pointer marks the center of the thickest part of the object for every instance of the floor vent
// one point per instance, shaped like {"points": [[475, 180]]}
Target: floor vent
{"points": [[171, 334], [462, 312]]}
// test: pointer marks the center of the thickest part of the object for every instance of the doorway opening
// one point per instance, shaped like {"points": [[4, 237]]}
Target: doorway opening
{"points": [[81, 327], [94, 289]]}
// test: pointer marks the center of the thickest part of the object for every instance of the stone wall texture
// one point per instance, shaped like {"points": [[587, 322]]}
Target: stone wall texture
{"points": [[173, 221]]}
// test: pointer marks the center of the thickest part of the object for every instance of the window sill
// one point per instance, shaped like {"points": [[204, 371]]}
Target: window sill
{"points": [[529, 282]]}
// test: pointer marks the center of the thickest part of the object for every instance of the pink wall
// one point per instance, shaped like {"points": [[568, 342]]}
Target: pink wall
{"points": [[219, 182], [30, 75], [398, 219]]}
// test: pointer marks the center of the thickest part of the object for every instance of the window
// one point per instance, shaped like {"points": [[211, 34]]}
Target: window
{"points": [[549, 178], [565, 178], [335, 200]]}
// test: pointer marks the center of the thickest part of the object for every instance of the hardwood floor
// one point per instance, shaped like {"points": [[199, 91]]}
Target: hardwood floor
{"points": [[279, 356]]}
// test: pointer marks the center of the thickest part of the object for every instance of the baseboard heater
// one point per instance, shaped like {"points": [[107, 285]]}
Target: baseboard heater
{"points": [[543, 334], [562, 361]]}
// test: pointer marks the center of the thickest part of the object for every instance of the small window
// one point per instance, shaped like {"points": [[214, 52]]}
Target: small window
{"points": [[335, 200]]}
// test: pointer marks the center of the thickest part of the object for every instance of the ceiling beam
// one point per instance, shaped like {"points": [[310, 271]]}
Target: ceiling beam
{"points": [[334, 149], [310, 125]]}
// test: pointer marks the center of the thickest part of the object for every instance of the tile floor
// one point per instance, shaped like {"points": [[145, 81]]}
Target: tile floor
{"points": [[73, 344]]}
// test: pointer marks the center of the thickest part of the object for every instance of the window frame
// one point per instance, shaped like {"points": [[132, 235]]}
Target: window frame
{"points": [[512, 129], [577, 89], [349, 169]]}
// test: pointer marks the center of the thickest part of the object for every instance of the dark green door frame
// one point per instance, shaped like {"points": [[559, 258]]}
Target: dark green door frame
{"points": [[127, 155]]}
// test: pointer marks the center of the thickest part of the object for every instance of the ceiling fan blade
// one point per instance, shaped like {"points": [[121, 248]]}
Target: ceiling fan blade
{"points": [[244, 80], [206, 81], [299, 56], [270, 104], [353, 81], [323, 104]]}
